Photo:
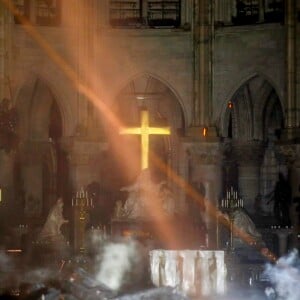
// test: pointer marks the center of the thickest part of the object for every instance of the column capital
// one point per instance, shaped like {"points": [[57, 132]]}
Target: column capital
{"points": [[81, 152], [248, 153], [289, 153], [204, 153], [34, 151]]}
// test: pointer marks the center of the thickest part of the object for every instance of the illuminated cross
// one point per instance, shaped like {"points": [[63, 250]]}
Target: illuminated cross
{"points": [[145, 130]]}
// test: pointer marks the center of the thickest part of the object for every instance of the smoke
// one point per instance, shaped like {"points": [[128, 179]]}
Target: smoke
{"points": [[285, 276], [120, 264]]}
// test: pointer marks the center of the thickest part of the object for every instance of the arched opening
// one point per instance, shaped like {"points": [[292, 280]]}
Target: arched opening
{"points": [[147, 92], [122, 160], [43, 166], [253, 118]]}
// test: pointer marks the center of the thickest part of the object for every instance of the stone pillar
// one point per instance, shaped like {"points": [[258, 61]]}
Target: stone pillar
{"points": [[223, 11], [261, 11], [205, 171], [6, 22], [32, 174], [283, 235], [82, 155], [86, 18], [249, 157], [291, 112], [203, 32], [290, 154], [8, 205]]}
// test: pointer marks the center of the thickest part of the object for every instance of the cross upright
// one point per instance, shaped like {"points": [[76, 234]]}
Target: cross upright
{"points": [[144, 131]]}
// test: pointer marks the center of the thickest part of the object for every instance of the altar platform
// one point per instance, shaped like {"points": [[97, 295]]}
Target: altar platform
{"points": [[187, 234]]}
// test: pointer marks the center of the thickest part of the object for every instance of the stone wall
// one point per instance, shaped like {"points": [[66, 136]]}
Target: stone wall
{"points": [[242, 52]]}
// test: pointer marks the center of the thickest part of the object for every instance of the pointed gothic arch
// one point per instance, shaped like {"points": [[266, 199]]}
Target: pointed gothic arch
{"points": [[166, 83], [250, 103], [164, 110], [41, 160], [26, 92]]}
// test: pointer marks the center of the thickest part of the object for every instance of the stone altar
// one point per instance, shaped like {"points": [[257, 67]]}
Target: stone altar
{"points": [[194, 272]]}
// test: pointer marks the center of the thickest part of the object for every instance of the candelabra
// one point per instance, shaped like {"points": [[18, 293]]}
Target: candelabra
{"points": [[81, 204], [229, 205], [231, 201]]}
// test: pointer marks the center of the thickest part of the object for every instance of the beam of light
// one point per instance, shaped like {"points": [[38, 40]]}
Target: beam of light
{"points": [[61, 63], [163, 227], [14, 250], [210, 208], [72, 75]]}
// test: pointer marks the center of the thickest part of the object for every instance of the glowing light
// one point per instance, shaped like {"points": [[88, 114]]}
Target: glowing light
{"points": [[14, 250], [145, 130], [230, 105], [204, 131]]}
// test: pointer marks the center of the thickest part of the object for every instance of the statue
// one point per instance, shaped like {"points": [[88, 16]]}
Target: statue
{"points": [[51, 231], [141, 191], [168, 201], [243, 222], [118, 212], [145, 192]]}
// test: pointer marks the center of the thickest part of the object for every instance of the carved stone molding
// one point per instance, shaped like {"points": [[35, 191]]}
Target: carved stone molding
{"points": [[34, 152], [248, 153], [81, 152], [204, 153], [288, 153]]}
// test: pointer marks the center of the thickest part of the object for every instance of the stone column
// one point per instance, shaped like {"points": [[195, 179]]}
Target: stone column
{"points": [[290, 155], [283, 235], [32, 174], [82, 155], [291, 112], [6, 21], [261, 11], [8, 205], [249, 157], [205, 171], [203, 28], [86, 18], [223, 11]]}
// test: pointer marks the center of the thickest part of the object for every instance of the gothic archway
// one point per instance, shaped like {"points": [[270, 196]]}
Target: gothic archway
{"points": [[251, 109], [164, 110], [253, 118], [42, 161]]}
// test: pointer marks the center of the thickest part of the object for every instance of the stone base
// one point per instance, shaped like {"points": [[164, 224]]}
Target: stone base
{"points": [[290, 134], [50, 251]]}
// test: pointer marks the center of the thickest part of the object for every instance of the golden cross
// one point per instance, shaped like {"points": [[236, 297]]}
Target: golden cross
{"points": [[145, 130]]}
